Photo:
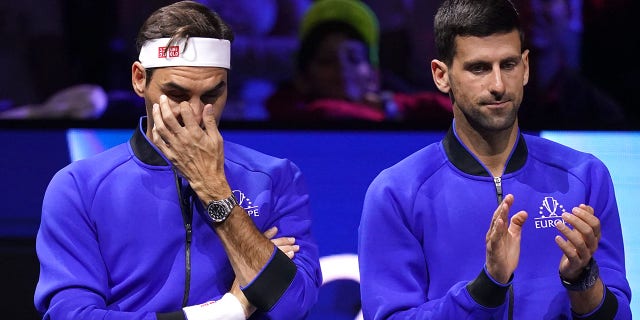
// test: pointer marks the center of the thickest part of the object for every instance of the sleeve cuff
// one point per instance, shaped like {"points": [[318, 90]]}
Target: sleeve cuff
{"points": [[606, 310], [488, 292], [176, 315], [274, 279]]}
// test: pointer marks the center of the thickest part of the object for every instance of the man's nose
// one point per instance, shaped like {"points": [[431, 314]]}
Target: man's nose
{"points": [[496, 84]]}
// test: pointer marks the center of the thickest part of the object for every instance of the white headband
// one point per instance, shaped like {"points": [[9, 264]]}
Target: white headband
{"points": [[199, 52]]}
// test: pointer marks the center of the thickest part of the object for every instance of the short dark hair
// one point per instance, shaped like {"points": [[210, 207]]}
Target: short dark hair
{"points": [[478, 18], [182, 20]]}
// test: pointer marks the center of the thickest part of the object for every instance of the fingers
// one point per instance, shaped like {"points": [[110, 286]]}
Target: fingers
{"points": [[208, 119], [503, 241], [503, 210], [584, 219], [164, 124], [188, 116], [585, 232], [285, 244], [158, 130], [167, 117], [499, 217], [290, 251], [271, 232], [581, 238], [571, 262]]}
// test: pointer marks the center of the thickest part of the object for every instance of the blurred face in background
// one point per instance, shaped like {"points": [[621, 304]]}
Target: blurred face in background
{"points": [[340, 69]]}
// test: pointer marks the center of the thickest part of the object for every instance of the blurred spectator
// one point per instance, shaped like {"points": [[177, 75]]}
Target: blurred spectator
{"points": [[556, 37], [561, 97], [337, 75], [83, 101], [59, 59], [34, 54], [406, 43], [262, 51]]}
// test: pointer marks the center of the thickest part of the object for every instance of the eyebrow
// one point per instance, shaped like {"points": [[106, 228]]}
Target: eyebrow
{"points": [[175, 86], [514, 58]]}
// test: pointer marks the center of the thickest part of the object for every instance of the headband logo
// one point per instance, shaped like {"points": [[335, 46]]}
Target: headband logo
{"points": [[174, 51], [194, 51]]}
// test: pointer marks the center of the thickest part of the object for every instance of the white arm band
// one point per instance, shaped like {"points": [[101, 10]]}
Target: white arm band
{"points": [[227, 308]]}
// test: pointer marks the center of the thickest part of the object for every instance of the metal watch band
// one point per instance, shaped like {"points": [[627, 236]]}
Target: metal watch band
{"points": [[219, 210], [588, 278]]}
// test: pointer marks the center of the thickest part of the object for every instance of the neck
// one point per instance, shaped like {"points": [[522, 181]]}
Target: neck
{"points": [[492, 148]]}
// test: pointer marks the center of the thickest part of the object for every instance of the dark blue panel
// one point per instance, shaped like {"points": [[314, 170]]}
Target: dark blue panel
{"points": [[30, 158]]}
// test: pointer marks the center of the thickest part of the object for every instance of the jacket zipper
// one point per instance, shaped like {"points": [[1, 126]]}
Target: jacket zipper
{"points": [[497, 181], [186, 207]]}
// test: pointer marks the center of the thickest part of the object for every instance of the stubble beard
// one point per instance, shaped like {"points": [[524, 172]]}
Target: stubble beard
{"points": [[491, 121]]}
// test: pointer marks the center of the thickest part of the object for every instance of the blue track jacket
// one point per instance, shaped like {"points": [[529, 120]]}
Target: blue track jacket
{"points": [[114, 242], [424, 221]]}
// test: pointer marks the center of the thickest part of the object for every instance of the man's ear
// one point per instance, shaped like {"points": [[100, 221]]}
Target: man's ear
{"points": [[138, 78], [439, 71], [525, 61]]}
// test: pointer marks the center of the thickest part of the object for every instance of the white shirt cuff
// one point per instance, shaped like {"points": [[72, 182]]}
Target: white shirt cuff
{"points": [[227, 308]]}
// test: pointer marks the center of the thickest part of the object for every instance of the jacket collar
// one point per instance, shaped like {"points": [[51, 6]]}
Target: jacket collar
{"points": [[462, 158], [143, 148]]}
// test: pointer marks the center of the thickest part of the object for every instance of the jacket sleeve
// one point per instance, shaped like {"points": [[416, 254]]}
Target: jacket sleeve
{"points": [[292, 216], [73, 278], [610, 253], [394, 280]]}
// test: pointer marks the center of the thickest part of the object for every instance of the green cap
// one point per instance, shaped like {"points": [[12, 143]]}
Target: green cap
{"points": [[353, 12]]}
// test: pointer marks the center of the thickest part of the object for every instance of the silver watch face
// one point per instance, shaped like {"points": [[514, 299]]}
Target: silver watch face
{"points": [[219, 210]]}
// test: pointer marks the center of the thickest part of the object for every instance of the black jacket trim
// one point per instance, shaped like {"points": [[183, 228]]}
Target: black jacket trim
{"points": [[607, 310], [176, 315], [462, 159], [143, 149], [267, 288], [486, 292]]}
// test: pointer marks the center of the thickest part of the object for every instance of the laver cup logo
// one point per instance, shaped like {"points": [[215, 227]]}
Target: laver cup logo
{"points": [[549, 215], [551, 205], [246, 203]]}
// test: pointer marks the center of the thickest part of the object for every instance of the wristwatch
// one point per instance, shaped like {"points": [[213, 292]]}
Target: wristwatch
{"points": [[219, 210], [587, 279]]}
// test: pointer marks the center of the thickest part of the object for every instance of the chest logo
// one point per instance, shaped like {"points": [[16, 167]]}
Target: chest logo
{"points": [[550, 211], [246, 203]]}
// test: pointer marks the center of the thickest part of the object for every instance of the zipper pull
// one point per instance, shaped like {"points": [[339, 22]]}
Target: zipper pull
{"points": [[498, 182]]}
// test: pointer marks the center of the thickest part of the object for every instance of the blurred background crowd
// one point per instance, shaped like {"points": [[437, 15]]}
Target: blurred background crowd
{"points": [[319, 61]]}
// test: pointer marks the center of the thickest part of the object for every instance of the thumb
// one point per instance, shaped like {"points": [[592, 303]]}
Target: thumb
{"points": [[517, 221]]}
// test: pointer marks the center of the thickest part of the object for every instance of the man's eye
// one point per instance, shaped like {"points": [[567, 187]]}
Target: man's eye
{"points": [[178, 97], [477, 69], [509, 65], [211, 98]]}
